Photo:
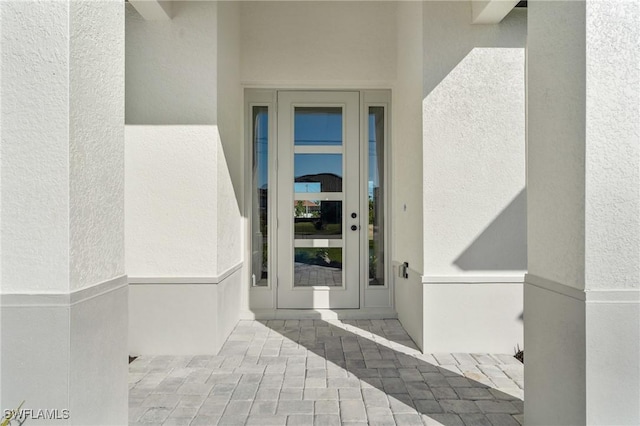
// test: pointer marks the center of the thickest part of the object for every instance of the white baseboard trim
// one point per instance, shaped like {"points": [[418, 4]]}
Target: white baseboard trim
{"points": [[473, 279], [322, 314], [63, 299], [554, 286], [136, 280]]}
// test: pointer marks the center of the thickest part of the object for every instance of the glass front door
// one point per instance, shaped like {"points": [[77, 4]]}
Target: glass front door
{"points": [[319, 221]]}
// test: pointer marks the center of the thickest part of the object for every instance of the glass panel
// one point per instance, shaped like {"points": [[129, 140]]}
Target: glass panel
{"points": [[318, 266], [318, 172], [317, 219], [318, 126], [260, 196], [376, 196]]}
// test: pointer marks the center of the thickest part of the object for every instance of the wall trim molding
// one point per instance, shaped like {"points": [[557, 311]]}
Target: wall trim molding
{"points": [[613, 296], [473, 279], [595, 296], [318, 85], [554, 286], [206, 280], [63, 299]]}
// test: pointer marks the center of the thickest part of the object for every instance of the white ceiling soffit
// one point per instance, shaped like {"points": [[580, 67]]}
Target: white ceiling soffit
{"points": [[153, 10], [490, 11]]}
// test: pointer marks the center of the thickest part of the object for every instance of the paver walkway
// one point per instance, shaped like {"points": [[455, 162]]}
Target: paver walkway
{"points": [[310, 275], [317, 372]]}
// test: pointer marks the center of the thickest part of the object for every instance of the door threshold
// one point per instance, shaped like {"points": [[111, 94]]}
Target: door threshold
{"points": [[322, 314]]}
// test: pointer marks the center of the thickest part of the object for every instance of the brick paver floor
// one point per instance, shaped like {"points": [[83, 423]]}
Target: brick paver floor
{"points": [[310, 275], [317, 372]]}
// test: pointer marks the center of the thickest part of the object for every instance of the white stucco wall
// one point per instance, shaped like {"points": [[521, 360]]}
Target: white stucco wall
{"points": [[612, 239], [612, 212], [96, 151], [474, 143], [171, 66], [182, 240], [555, 324], [62, 158], [35, 147], [556, 124], [473, 159], [171, 197], [230, 124], [62, 209], [584, 201], [298, 44], [184, 71], [406, 207], [183, 170]]}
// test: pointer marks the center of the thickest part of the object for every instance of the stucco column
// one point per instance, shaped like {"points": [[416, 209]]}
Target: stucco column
{"points": [[63, 288], [582, 293]]}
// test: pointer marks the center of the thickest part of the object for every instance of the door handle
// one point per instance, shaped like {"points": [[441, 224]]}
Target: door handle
{"points": [[354, 227]]}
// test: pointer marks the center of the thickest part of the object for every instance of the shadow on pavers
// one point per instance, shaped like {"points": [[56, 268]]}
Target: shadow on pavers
{"points": [[397, 382]]}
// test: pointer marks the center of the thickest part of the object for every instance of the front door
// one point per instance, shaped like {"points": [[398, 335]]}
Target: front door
{"points": [[318, 200]]}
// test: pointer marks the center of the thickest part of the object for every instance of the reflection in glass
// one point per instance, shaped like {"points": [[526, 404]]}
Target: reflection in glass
{"points": [[317, 219], [318, 266], [318, 126], [260, 188], [318, 172], [376, 196]]}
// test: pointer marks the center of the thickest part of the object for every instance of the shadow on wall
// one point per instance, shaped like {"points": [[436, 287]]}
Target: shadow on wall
{"points": [[450, 36], [503, 244]]}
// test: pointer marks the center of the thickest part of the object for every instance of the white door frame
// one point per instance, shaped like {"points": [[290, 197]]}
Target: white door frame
{"points": [[374, 301]]}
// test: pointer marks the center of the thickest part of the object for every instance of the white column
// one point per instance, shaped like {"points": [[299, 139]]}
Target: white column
{"points": [[64, 295], [582, 295]]}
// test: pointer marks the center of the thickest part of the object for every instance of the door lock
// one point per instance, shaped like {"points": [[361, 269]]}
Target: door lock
{"points": [[354, 215]]}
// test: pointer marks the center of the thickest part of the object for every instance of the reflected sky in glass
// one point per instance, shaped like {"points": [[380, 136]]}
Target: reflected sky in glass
{"points": [[312, 129], [318, 126]]}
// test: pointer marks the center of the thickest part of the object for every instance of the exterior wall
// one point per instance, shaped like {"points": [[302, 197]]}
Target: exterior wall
{"points": [[406, 205], [181, 218], [96, 151], [64, 296], [35, 138], [612, 154], [171, 66], [98, 355], [171, 201], [555, 181], [583, 179], [556, 190], [230, 106], [474, 179], [554, 375], [612, 205], [162, 313], [314, 43], [183, 222], [479, 317]]}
